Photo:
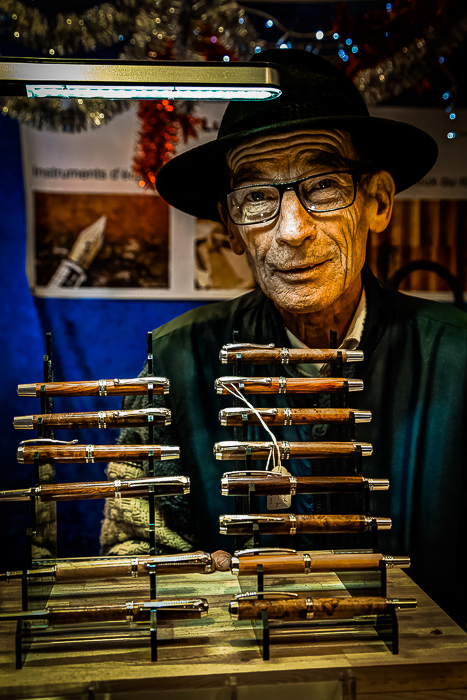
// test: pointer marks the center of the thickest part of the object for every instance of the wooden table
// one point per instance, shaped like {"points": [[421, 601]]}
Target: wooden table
{"points": [[217, 659]]}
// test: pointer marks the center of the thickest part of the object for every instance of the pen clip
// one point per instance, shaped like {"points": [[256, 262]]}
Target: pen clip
{"points": [[249, 519], [49, 441], [241, 380], [240, 445], [246, 346], [232, 411], [251, 472], [267, 551], [267, 594]]}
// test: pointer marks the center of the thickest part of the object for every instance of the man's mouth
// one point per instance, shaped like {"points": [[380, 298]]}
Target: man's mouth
{"points": [[300, 272]]}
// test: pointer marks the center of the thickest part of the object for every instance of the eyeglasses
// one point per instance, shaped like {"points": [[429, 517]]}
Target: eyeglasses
{"points": [[255, 204]]}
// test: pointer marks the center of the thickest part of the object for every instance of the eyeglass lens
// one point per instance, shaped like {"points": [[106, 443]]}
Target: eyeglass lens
{"points": [[327, 192]]}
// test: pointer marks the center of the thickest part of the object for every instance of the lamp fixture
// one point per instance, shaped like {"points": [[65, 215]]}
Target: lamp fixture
{"points": [[140, 80]]}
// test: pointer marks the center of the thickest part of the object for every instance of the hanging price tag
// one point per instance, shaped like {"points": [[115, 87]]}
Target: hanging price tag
{"points": [[275, 502]]}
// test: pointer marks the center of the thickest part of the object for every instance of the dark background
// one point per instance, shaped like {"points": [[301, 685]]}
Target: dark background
{"points": [[95, 339]]}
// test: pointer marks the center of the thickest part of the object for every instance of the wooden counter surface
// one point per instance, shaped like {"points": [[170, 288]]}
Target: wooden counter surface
{"points": [[217, 659]]}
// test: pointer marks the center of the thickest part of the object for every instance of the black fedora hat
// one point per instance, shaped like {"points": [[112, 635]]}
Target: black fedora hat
{"points": [[314, 94]]}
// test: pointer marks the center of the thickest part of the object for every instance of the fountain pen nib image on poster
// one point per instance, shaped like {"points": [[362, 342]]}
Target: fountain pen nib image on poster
{"points": [[101, 241]]}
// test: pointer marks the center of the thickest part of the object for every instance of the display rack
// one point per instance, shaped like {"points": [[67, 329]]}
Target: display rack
{"points": [[35, 589], [386, 626]]}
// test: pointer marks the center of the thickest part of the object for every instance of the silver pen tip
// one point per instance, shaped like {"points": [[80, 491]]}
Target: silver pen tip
{"points": [[362, 416], [169, 452], [383, 523], [400, 561], [26, 390], [23, 422], [354, 355], [378, 484], [354, 384]]}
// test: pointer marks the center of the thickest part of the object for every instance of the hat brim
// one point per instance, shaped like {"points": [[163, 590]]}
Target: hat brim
{"points": [[193, 181]]}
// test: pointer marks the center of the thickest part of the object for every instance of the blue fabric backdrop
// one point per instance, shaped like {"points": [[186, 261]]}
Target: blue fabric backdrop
{"points": [[92, 339]]}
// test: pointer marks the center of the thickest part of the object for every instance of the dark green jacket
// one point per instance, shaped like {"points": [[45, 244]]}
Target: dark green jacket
{"points": [[415, 376]]}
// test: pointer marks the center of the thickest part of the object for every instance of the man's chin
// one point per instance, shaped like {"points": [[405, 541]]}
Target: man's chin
{"points": [[300, 298]]}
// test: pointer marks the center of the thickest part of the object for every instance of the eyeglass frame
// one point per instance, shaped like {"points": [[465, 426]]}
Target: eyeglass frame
{"points": [[282, 187]]}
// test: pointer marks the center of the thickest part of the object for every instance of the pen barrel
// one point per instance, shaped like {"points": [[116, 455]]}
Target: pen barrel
{"points": [[85, 614], [287, 356], [290, 524], [288, 610], [112, 613], [95, 419], [271, 484], [289, 450], [94, 453], [133, 567], [292, 416], [277, 564], [100, 387], [310, 608], [279, 385], [136, 488]]}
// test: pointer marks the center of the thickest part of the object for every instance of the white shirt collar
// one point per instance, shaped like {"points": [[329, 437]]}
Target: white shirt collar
{"points": [[350, 342]]}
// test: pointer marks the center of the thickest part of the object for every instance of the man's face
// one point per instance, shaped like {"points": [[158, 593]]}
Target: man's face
{"points": [[303, 262]]}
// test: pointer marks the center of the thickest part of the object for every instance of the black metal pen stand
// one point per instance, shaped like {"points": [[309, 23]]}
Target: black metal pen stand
{"points": [[36, 591], [384, 626]]}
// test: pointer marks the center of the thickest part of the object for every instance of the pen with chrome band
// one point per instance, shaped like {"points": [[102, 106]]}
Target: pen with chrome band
{"points": [[291, 416], [116, 567], [250, 353], [290, 524], [99, 387], [70, 452], [125, 488], [267, 482], [130, 612], [236, 450], [295, 607], [94, 419], [282, 562], [283, 385]]}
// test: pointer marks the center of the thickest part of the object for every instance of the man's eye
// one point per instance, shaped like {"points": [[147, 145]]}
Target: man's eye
{"points": [[325, 184], [255, 196]]}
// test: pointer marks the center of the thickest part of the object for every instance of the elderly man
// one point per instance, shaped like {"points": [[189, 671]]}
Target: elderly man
{"points": [[300, 183]]}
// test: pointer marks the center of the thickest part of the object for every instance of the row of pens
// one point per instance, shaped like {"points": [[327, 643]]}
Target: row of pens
{"points": [[251, 606]]}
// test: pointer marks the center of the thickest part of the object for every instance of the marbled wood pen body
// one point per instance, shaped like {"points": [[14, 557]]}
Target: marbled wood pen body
{"points": [[236, 450], [290, 524], [265, 483], [95, 419], [98, 387], [116, 567], [314, 608], [303, 563], [95, 453], [130, 488], [291, 416], [131, 612], [284, 356], [282, 385]]}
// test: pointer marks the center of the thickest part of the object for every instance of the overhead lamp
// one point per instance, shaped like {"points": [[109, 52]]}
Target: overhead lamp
{"points": [[140, 80]]}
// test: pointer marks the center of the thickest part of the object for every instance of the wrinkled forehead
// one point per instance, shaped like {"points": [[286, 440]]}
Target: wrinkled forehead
{"points": [[332, 147]]}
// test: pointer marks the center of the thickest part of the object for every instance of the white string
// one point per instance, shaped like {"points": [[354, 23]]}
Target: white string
{"points": [[276, 450]]}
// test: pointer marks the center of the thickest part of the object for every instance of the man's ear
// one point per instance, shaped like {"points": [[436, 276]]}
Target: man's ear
{"points": [[236, 242], [381, 189]]}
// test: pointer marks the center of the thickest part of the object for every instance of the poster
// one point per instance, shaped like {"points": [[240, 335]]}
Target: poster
{"points": [[93, 230]]}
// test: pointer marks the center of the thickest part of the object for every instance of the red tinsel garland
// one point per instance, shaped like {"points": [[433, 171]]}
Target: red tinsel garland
{"points": [[164, 122]]}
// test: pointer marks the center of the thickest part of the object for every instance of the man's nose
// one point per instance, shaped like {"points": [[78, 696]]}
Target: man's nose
{"points": [[295, 224]]}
